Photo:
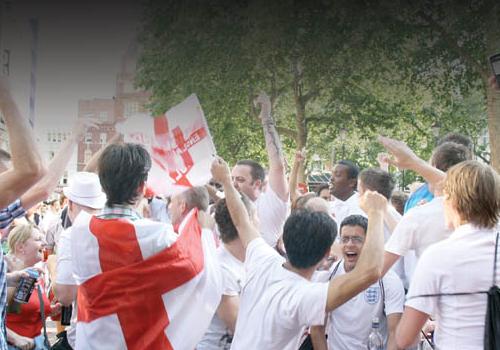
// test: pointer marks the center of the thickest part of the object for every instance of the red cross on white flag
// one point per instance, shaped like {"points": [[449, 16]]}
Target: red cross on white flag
{"points": [[179, 143]]}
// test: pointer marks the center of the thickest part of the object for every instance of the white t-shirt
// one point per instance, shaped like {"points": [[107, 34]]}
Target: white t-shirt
{"points": [[462, 263], [276, 305], [233, 276], [419, 228], [272, 212], [342, 209], [65, 276], [349, 325]]}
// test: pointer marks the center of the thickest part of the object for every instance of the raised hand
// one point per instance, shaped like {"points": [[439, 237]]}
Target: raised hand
{"points": [[402, 156], [82, 125], [372, 201], [265, 106], [383, 160], [220, 171]]}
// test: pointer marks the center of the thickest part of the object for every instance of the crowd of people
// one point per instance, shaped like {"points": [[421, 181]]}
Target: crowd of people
{"points": [[272, 268]]}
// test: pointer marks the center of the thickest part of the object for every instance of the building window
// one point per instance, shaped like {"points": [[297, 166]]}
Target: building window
{"points": [[87, 155], [131, 108], [88, 137], [103, 115], [103, 137]]}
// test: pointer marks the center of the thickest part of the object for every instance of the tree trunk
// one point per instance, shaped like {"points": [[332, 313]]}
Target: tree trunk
{"points": [[494, 126], [493, 96]]}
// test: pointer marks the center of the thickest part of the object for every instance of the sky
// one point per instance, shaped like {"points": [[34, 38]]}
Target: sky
{"points": [[80, 47]]}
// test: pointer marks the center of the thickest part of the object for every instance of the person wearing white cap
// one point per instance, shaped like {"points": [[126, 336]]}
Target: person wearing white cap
{"points": [[84, 194]]}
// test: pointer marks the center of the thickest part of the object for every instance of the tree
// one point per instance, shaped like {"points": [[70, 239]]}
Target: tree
{"points": [[326, 66]]}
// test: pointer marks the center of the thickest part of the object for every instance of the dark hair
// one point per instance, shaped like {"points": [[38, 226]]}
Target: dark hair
{"points": [[376, 179], [227, 230], [322, 187], [355, 220], [398, 201], [256, 170], [122, 169], [457, 138], [352, 169], [308, 236], [449, 154], [196, 197]]}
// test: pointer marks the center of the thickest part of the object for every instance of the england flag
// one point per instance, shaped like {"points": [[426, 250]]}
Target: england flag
{"points": [[142, 286]]}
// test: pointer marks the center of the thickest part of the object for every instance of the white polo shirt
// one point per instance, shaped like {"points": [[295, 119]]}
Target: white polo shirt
{"points": [[276, 305], [349, 325], [462, 263], [233, 276], [419, 228], [272, 212]]}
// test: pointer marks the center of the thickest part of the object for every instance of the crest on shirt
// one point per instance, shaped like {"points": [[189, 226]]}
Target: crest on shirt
{"points": [[372, 295]]}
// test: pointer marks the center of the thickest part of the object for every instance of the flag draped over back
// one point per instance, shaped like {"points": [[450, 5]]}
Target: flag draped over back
{"points": [[180, 145], [141, 286]]}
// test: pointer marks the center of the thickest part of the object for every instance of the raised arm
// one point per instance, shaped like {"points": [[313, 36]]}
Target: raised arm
{"points": [[369, 266], [48, 183], [91, 166], [27, 165], [277, 178], [297, 162], [246, 231], [405, 158]]}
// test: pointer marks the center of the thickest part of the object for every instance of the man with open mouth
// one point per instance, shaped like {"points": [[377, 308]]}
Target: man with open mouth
{"points": [[349, 326]]}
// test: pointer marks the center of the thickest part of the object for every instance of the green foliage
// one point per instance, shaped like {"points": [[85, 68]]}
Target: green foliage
{"points": [[371, 68]]}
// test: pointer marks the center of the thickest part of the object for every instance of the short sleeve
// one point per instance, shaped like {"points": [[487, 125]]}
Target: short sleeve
{"points": [[259, 256], [394, 294], [424, 282], [272, 212], [232, 284], [11, 212], [64, 261], [312, 303], [402, 239]]}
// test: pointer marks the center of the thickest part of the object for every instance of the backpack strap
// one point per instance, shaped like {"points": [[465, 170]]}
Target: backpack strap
{"points": [[382, 291], [495, 262], [335, 269]]}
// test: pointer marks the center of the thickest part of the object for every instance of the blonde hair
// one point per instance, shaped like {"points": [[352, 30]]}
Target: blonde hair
{"points": [[18, 235], [473, 189]]}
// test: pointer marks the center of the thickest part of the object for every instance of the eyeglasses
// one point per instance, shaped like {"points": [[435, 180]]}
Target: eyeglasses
{"points": [[353, 239]]}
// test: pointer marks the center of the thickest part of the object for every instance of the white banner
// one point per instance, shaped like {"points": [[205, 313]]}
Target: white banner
{"points": [[179, 143]]}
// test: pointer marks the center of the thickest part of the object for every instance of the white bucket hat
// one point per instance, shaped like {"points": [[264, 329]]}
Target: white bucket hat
{"points": [[85, 189]]}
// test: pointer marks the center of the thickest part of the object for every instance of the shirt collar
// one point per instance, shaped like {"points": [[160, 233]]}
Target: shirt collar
{"points": [[467, 229], [119, 211]]}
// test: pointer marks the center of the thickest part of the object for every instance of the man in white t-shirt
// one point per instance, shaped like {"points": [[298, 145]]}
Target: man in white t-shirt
{"points": [[349, 326], [84, 194], [249, 177], [278, 301], [231, 255], [343, 184], [424, 225]]}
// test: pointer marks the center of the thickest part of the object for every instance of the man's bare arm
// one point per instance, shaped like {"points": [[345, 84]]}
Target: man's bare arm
{"points": [[241, 220], [369, 266], [277, 178], [392, 324], [318, 338], [91, 166], [405, 158], [297, 162], [27, 165], [228, 310], [49, 181]]}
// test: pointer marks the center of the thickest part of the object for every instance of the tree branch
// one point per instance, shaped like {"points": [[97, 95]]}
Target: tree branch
{"points": [[287, 132]]}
